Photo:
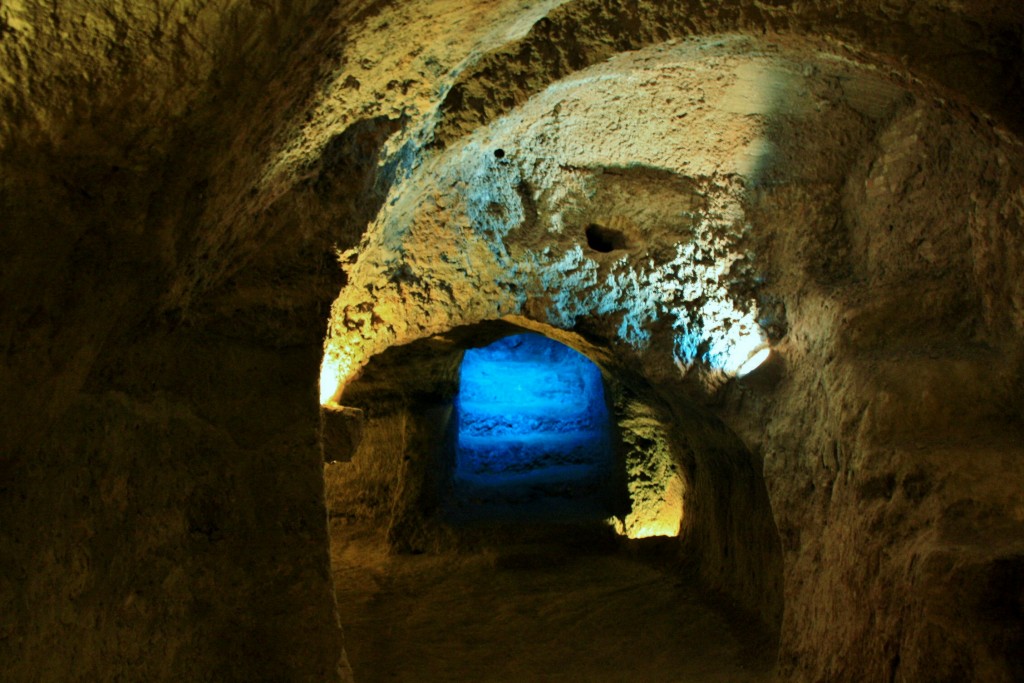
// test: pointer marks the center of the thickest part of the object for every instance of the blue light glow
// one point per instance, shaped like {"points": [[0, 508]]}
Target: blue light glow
{"points": [[532, 423]]}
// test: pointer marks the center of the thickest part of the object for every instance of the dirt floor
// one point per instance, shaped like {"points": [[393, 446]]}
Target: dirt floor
{"points": [[555, 604]]}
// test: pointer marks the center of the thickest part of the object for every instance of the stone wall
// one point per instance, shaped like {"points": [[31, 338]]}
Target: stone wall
{"points": [[162, 497]]}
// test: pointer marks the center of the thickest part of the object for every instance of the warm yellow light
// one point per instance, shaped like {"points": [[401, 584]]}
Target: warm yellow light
{"points": [[658, 528], [659, 517], [330, 380], [342, 359]]}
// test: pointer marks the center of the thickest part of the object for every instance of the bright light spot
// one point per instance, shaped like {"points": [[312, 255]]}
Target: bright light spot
{"points": [[756, 358], [330, 381], [741, 343], [658, 527], [649, 530], [337, 366], [660, 516]]}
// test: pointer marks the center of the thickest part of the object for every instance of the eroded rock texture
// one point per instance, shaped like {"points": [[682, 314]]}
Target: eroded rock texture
{"points": [[663, 186]]}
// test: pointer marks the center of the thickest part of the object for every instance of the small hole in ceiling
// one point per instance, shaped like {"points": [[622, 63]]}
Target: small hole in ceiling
{"points": [[499, 153], [604, 240]]}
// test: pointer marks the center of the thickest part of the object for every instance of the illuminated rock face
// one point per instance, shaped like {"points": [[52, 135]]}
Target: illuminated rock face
{"points": [[770, 191], [508, 234], [533, 432]]}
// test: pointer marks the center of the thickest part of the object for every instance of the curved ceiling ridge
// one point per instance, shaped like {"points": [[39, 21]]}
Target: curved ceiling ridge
{"points": [[965, 57]]}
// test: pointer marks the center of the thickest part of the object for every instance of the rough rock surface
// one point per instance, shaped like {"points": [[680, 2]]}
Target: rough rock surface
{"points": [[751, 189], [555, 603], [842, 179]]}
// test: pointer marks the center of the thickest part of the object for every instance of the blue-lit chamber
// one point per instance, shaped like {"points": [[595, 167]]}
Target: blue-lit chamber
{"points": [[532, 423]]}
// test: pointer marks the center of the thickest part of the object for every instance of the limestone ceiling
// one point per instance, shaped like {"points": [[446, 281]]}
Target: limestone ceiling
{"points": [[661, 146], [223, 112]]}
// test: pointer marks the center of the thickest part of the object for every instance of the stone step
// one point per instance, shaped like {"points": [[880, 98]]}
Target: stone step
{"points": [[536, 419], [530, 452], [565, 483]]}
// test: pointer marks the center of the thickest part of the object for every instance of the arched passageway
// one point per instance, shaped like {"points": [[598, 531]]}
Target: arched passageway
{"points": [[691, 208], [630, 486]]}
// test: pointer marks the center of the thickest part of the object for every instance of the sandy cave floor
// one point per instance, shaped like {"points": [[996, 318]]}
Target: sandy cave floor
{"points": [[547, 605]]}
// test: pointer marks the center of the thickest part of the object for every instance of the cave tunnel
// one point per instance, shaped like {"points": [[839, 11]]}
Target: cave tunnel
{"points": [[502, 449], [257, 255]]}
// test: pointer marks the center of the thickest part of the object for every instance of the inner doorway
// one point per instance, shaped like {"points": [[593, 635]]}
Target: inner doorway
{"points": [[533, 437]]}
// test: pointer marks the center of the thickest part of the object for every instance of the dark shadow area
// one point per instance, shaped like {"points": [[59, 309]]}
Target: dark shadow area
{"points": [[605, 240], [552, 603]]}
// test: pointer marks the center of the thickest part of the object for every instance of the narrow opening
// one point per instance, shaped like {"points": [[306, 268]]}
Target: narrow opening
{"points": [[533, 437], [603, 239]]}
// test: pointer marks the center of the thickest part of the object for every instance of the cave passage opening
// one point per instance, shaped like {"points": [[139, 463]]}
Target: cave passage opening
{"points": [[533, 438]]}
